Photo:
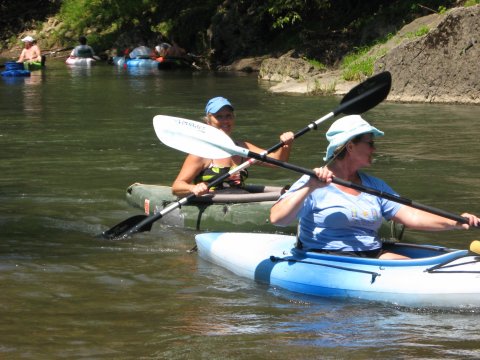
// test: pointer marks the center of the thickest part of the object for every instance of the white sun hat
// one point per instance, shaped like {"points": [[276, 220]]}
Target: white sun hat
{"points": [[345, 129], [28, 39]]}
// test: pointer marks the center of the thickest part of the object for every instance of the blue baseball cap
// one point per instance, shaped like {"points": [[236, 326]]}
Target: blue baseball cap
{"points": [[345, 129], [215, 104]]}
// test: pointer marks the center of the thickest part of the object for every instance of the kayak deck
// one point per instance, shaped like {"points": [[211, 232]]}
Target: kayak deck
{"points": [[434, 276]]}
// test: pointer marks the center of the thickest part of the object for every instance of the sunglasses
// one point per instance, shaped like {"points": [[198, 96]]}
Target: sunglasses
{"points": [[370, 143], [223, 117]]}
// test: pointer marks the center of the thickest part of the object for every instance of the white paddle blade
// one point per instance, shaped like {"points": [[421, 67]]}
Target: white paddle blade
{"points": [[195, 138]]}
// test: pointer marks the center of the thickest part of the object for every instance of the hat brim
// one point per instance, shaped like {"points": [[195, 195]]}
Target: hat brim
{"points": [[334, 145], [216, 109]]}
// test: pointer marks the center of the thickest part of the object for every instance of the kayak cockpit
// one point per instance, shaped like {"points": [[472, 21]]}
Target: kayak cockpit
{"points": [[420, 255]]}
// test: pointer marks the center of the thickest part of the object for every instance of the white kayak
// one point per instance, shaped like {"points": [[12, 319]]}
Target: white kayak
{"points": [[434, 277], [78, 61]]}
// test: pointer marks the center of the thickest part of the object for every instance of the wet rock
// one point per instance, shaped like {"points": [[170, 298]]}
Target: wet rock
{"points": [[245, 65], [441, 66], [287, 67]]}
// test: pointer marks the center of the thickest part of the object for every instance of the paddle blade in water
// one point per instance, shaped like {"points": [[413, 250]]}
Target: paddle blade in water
{"points": [[366, 95], [193, 137], [121, 228], [475, 247]]}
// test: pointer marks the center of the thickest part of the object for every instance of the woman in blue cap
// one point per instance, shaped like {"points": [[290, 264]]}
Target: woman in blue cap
{"points": [[197, 171], [339, 220]]}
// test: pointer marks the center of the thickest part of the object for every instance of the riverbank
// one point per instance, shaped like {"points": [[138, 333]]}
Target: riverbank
{"points": [[432, 59], [438, 66]]}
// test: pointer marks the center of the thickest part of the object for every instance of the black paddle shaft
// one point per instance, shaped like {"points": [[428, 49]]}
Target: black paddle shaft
{"points": [[362, 188], [359, 99]]}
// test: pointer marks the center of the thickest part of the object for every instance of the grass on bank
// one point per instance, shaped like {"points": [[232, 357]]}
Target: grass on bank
{"points": [[316, 64], [360, 63], [471, 3]]}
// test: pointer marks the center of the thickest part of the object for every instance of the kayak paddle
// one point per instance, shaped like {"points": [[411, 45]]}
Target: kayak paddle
{"points": [[213, 143], [359, 99], [475, 247]]}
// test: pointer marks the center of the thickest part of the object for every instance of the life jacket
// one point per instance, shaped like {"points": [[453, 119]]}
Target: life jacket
{"points": [[236, 180], [83, 51]]}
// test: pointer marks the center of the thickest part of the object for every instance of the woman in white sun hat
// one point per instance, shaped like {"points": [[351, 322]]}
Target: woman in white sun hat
{"points": [[339, 220]]}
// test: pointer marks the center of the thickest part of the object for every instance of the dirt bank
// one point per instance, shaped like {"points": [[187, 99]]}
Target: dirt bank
{"points": [[440, 66]]}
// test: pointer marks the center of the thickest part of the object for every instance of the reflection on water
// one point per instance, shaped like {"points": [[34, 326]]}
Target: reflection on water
{"points": [[73, 139], [14, 80], [33, 95], [79, 71]]}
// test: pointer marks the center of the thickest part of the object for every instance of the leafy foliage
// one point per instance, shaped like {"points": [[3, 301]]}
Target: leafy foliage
{"points": [[223, 30], [17, 17], [290, 12], [144, 20], [471, 3], [357, 64]]}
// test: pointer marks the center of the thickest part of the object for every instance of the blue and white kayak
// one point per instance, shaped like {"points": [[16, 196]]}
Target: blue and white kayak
{"points": [[144, 63], [169, 63], [434, 277]]}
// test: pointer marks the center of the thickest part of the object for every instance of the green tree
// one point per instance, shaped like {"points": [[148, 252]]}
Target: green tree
{"points": [[19, 16]]}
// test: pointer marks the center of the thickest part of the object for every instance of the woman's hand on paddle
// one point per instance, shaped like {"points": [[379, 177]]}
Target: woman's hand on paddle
{"points": [[200, 189], [324, 177], [287, 138], [472, 221]]}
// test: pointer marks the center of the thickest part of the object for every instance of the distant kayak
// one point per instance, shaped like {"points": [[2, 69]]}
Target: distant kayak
{"points": [[15, 73], [15, 69], [161, 63], [33, 65], [78, 61], [147, 63], [435, 277]]}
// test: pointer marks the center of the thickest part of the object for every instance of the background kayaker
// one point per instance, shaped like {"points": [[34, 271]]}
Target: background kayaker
{"points": [[142, 52], [197, 171], [340, 220], [83, 50], [161, 51], [31, 52]]}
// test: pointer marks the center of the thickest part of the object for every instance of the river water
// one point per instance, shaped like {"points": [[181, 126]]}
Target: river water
{"points": [[72, 140]]}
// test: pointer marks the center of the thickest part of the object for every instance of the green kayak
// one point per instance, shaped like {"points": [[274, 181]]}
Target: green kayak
{"points": [[227, 210], [34, 65], [246, 210]]}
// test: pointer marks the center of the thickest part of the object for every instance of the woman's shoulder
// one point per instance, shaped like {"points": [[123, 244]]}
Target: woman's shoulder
{"points": [[194, 159], [299, 183], [373, 181]]}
